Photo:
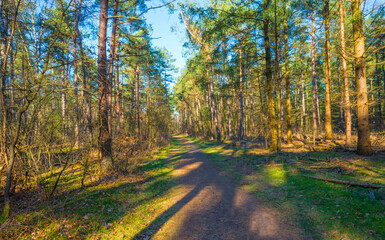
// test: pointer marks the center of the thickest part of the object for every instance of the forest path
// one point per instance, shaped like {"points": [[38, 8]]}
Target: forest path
{"points": [[210, 206]]}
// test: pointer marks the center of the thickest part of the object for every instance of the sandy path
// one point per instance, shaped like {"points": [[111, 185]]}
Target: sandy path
{"points": [[210, 206]]}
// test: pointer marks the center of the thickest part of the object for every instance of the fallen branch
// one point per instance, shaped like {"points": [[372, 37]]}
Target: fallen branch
{"points": [[366, 185]]}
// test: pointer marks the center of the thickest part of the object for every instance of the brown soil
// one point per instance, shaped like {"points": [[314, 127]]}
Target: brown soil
{"points": [[211, 206]]}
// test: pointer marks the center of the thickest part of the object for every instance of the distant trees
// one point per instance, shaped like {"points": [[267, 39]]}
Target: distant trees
{"points": [[248, 81]]}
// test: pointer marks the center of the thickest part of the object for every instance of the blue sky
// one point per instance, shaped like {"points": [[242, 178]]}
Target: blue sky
{"points": [[162, 22]]}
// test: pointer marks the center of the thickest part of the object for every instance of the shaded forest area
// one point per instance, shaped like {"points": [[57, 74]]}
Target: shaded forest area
{"points": [[83, 90], [285, 72]]}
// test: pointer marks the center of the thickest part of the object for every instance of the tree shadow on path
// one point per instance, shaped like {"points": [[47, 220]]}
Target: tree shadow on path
{"points": [[213, 207]]}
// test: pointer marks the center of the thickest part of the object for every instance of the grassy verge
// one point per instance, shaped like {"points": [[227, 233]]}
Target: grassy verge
{"points": [[323, 210], [118, 208]]}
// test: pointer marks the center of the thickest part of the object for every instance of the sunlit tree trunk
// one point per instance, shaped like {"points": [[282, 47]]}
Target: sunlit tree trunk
{"points": [[64, 101], [148, 102], [3, 76], [314, 80], [328, 111], [341, 102], [379, 110], [348, 118], [137, 79], [76, 83], [111, 63], [278, 81], [363, 144], [289, 128]]}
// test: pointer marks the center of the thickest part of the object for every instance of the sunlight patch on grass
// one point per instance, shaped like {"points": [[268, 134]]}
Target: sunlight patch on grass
{"points": [[276, 174]]}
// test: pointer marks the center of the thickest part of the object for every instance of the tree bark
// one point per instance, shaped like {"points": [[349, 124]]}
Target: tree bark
{"points": [[111, 63], [328, 111], [75, 66], [289, 127], [379, 110], [241, 127], [104, 133], [137, 78], [314, 80], [85, 92], [363, 144], [227, 92], [269, 82], [348, 117]]}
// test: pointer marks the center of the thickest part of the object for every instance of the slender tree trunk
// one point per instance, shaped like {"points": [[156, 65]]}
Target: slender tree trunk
{"points": [[379, 113], [224, 46], [348, 118], [314, 80], [363, 144], [118, 97], [64, 101], [137, 100], [341, 109], [104, 133], [215, 115], [76, 83], [278, 81], [3, 76], [269, 81], [328, 109], [289, 127], [240, 129], [303, 103], [372, 103], [111, 63], [148, 101], [86, 88]]}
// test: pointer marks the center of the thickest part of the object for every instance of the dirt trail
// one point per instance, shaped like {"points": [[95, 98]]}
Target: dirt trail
{"points": [[210, 206]]}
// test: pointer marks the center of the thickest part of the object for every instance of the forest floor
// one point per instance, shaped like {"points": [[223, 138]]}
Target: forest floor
{"points": [[198, 189]]}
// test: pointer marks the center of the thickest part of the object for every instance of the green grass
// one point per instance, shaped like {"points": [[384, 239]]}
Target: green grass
{"points": [[115, 209], [320, 209]]}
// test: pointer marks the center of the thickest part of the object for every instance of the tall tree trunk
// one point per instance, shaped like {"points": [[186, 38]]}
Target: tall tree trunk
{"points": [[269, 82], [379, 111], [3, 76], [348, 117], [75, 66], [118, 94], [215, 115], [341, 109], [137, 78], [303, 103], [104, 133], [148, 101], [328, 108], [314, 80], [363, 144], [278, 81], [111, 63], [289, 127], [86, 88], [241, 127], [224, 46], [64, 101]]}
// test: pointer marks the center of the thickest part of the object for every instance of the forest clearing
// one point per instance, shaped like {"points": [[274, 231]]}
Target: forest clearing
{"points": [[187, 119]]}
